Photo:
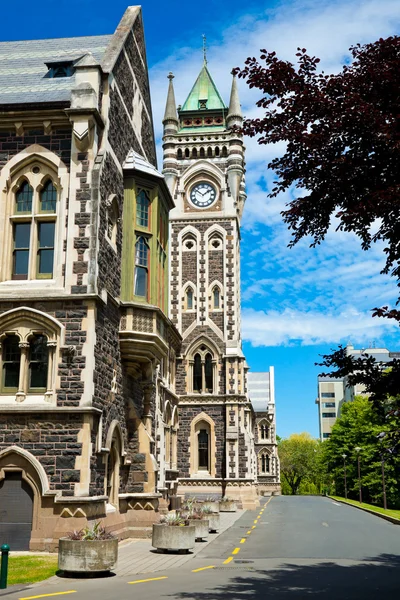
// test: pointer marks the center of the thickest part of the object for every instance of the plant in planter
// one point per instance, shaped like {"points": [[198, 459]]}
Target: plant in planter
{"points": [[89, 550], [173, 533], [213, 517], [227, 504], [212, 502], [198, 518]]}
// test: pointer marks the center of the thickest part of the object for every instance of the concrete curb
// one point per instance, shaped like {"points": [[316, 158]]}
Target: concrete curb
{"points": [[371, 512]]}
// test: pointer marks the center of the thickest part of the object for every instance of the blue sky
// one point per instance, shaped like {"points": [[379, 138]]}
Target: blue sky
{"points": [[297, 303]]}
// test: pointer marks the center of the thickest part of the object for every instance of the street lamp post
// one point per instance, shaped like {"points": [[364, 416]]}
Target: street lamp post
{"points": [[344, 456], [358, 450], [383, 480]]}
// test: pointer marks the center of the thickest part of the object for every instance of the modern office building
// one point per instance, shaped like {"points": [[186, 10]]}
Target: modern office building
{"points": [[333, 392]]}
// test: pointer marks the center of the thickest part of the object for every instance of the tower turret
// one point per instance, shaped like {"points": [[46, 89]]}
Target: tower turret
{"points": [[171, 124], [234, 118]]}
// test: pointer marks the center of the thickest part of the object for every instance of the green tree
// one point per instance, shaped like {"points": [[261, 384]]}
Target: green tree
{"points": [[299, 462], [360, 425]]}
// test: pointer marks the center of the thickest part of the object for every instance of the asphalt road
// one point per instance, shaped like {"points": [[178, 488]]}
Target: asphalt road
{"points": [[292, 548]]}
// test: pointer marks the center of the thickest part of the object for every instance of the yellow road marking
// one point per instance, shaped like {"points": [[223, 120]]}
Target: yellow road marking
{"points": [[242, 541], [253, 527], [47, 595], [249, 531], [228, 560], [145, 580], [255, 522], [202, 569], [236, 551]]}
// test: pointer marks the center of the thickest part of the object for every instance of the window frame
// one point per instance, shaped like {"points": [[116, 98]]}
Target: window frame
{"points": [[27, 324], [146, 267], [37, 174]]}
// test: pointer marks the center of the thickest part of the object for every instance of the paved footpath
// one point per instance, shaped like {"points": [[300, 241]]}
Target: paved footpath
{"points": [[292, 548]]}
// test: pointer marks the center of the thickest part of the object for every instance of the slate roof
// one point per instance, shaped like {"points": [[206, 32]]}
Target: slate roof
{"points": [[23, 67], [136, 161]]}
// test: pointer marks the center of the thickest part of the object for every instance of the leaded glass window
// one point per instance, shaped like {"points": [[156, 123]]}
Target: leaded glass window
{"points": [[141, 267], [142, 209], [24, 198], [48, 198]]}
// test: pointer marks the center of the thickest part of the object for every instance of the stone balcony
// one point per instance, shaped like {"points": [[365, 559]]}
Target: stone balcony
{"points": [[146, 336]]}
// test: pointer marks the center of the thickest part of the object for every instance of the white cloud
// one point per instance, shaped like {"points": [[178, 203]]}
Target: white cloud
{"points": [[289, 327]]}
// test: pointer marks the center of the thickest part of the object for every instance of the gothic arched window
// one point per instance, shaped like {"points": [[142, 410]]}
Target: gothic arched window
{"points": [[187, 153], [217, 151], [216, 298], [264, 431], [203, 450], [179, 153], [209, 152], [202, 153], [224, 151], [202, 371], [189, 298], [194, 153], [48, 198], [197, 374], [34, 236], [264, 463], [208, 372], [23, 198]]}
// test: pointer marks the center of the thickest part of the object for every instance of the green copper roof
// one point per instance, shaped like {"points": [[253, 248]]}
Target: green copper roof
{"points": [[204, 90]]}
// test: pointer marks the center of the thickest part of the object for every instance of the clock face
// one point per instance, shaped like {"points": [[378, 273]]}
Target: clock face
{"points": [[203, 194]]}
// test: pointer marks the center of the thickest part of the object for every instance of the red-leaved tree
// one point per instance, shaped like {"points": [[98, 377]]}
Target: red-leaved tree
{"points": [[342, 135]]}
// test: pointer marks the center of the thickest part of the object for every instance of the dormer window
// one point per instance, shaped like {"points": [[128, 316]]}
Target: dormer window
{"points": [[202, 104], [60, 69]]}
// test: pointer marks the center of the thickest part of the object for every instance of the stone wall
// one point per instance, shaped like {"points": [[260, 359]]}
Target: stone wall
{"points": [[52, 439], [58, 141], [186, 416]]}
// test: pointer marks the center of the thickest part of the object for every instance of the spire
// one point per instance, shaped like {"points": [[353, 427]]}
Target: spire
{"points": [[204, 50], [235, 111], [170, 108], [204, 93]]}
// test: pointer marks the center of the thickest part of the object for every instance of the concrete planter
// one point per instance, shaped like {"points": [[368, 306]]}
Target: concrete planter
{"points": [[80, 556], [213, 505], [168, 537], [213, 521], [202, 527], [227, 506]]}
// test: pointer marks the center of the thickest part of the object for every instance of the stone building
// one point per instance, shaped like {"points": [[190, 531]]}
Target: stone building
{"points": [[204, 166], [261, 390], [88, 413]]}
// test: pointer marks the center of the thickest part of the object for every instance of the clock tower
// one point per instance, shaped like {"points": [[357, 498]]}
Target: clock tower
{"points": [[204, 168]]}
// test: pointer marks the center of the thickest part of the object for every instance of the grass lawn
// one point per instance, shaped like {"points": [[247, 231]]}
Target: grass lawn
{"points": [[30, 569], [378, 509]]}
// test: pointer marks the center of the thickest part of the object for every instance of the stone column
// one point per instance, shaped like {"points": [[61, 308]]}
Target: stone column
{"points": [[23, 372]]}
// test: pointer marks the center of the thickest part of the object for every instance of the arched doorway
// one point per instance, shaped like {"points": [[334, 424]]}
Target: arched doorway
{"points": [[16, 511]]}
